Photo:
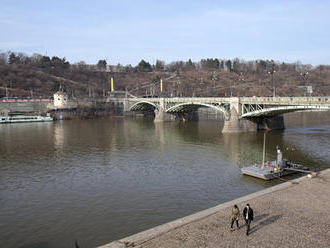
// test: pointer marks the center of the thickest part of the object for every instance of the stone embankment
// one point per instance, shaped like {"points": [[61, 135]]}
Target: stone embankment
{"points": [[291, 214]]}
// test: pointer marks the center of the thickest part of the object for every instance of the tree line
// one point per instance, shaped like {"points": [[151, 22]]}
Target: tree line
{"points": [[21, 74], [231, 65]]}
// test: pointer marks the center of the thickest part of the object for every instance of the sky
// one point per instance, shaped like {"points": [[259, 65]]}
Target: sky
{"points": [[126, 31]]}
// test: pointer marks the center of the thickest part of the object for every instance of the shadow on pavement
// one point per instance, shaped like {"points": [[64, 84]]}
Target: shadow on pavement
{"points": [[260, 217], [264, 222], [35, 245]]}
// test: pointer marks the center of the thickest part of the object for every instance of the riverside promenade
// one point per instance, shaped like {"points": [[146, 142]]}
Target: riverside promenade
{"points": [[291, 214]]}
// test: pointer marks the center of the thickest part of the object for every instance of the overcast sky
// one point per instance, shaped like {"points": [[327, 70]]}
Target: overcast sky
{"points": [[127, 31]]}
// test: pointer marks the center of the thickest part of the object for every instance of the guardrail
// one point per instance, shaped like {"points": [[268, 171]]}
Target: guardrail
{"points": [[249, 100], [285, 100]]}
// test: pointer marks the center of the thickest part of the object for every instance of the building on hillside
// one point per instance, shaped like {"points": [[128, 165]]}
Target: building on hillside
{"points": [[60, 99]]}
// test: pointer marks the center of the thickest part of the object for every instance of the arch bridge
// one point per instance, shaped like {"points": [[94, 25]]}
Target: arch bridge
{"points": [[241, 113]]}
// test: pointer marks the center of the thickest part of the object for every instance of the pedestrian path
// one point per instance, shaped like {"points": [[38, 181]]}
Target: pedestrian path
{"points": [[292, 214]]}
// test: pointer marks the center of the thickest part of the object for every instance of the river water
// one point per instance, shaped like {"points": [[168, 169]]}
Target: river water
{"points": [[99, 180]]}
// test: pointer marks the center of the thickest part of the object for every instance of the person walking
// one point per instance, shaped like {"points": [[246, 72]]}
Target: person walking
{"points": [[234, 217], [248, 217]]}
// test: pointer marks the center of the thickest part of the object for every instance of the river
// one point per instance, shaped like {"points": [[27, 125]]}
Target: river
{"points": [[99, 180]]}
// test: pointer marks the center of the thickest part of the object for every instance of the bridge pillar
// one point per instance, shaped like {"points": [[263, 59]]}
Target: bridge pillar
{"points": [[126, 108], [160, 114], [126, 105], [234, 123]]}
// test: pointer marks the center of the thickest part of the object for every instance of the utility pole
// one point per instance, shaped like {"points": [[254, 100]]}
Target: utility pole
{"points": [[173, 89], [241, 81], [271, 72], [201, 84], [179, 88], [214, 78], [306, 88], [304, 75]]}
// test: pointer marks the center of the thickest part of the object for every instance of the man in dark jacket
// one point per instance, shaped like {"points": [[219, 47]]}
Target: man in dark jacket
{"points": [[248, 217]]}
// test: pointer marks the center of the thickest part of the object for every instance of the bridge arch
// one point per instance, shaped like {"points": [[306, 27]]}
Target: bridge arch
{"points": [[143, 106], [193, 106], [282, 110]]}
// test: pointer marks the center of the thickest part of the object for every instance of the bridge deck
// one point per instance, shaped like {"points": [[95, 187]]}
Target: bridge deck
{"points": [[243, 100]]}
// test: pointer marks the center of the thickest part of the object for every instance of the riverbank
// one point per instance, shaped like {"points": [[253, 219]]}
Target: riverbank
{"points": [[291, 214]]}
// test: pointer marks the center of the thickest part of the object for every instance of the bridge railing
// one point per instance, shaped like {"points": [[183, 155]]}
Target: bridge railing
{"points": [[285, 100], [243, 100], [184, 99]]}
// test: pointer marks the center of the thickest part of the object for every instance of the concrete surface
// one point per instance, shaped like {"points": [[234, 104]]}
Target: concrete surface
{"points": [[291, 214]]}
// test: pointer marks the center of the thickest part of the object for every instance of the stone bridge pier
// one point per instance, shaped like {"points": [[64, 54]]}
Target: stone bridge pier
{"points": [[126, 105], [236, 124], [161, 115]]}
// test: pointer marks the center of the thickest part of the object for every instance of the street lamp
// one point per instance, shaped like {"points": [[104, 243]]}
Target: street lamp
{"points": [[241, 77], [214, 78], [304, 75], [272, 75], [201, 85], [178, 83], [241, 81]]}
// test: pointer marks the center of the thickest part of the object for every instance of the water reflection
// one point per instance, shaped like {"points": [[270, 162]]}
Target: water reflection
{"points": [[59, 136], [102, 180]]}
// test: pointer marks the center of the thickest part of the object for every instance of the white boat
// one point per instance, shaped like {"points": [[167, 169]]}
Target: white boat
{"points": [[24, 118]]}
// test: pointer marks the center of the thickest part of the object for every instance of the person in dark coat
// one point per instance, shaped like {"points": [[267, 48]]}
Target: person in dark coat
{"points": [[234, 217], [248, 217]]}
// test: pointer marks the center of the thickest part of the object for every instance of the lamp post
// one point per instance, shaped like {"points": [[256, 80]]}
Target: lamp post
{"points": [[214, 78], [201, 85], [271, 72], [241, 80], [304, 75], [178, 83]]}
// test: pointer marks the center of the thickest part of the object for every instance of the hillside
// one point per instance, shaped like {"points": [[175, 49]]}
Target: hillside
{"points": [[38, 78]]}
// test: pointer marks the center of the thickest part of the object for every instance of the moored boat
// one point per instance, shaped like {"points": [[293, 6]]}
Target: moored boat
{"points": [[24, 118]]}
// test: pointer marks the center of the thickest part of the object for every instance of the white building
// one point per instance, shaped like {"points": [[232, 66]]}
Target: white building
{"points": [[60, 99]]}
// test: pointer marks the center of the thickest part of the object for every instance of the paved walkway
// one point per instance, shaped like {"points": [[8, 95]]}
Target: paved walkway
{"points": [[293, 214]]}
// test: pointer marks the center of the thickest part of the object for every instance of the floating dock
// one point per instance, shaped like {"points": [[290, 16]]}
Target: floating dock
{"points": [[266, 173], [274, 169]]}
